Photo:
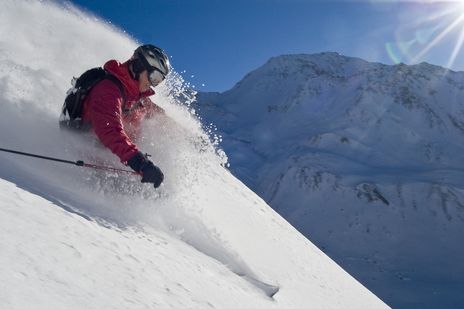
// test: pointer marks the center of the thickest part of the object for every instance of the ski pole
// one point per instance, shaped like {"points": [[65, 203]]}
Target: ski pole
{"points": [[77, 163]]}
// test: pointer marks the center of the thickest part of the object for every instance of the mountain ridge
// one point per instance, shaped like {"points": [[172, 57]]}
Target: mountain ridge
{"points": [[372, 150]]}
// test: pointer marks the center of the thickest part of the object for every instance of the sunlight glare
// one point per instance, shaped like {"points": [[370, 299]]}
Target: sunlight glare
{"points": [[422, 35]]}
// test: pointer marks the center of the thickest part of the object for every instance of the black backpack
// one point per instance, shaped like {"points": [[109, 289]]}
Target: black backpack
{"points": [[71, 115]]}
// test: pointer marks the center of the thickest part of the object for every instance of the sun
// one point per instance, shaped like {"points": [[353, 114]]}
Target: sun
{"points": [[459, 5], [421, 35]]}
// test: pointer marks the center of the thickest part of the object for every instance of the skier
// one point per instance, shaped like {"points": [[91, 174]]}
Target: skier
{"points": [[115, 115]]}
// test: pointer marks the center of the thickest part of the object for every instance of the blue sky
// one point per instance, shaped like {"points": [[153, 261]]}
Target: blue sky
{"points": [[217, 42]]}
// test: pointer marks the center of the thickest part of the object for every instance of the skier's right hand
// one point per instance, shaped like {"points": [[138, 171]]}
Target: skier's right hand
{"points": [[150, 172]]}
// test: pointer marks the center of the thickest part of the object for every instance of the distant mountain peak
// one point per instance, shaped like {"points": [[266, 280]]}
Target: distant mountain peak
{"points": [[360, 156]]}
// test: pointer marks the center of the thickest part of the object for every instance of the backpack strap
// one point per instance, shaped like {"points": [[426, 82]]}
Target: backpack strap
{"points": [[118, 83]]}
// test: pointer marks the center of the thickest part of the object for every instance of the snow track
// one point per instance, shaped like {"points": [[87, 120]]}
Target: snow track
{"points": [[75, 238]]}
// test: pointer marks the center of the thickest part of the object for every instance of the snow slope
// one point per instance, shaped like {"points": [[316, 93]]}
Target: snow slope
{"points": [[364, 159], [77, 238]]}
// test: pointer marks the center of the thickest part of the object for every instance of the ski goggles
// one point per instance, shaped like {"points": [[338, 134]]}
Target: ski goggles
{"points": [[156, 77]]}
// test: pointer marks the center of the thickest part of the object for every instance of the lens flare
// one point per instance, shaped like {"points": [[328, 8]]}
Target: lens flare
{"points": [[431, 25]]}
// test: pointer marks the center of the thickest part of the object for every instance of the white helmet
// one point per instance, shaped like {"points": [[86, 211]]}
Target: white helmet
{"points": [[153, 59]]}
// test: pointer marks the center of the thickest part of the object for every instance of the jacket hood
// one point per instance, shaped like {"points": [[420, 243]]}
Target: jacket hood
{"points": [[131, 86]]}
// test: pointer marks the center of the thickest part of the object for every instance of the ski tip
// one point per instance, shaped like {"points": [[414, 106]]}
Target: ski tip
{"points": [[268, 289], [271, 291]]}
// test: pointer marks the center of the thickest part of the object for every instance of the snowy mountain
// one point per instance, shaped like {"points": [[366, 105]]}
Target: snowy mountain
{"points": [[72, 237], [364, 159]]}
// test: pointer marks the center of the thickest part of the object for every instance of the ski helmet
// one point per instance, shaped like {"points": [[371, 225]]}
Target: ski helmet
{"points": [[153, 58]]}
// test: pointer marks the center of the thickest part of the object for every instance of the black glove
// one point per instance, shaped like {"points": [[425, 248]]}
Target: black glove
{"points": [[150, 172]]}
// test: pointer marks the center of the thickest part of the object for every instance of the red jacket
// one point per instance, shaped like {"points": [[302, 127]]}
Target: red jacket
{"points": [[103, 110]]}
